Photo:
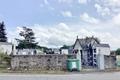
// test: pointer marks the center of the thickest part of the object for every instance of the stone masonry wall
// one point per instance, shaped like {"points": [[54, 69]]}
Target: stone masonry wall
{"points": [[40, 62], [110, 62]]}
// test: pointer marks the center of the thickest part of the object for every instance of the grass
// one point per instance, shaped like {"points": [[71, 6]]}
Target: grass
{"points": [[5, 70]]}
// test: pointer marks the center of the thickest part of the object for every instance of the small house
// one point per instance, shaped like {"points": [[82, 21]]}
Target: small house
{"points": [[89, 48]]}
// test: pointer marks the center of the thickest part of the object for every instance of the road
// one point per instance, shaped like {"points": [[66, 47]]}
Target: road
{"points": [[89, 76]]}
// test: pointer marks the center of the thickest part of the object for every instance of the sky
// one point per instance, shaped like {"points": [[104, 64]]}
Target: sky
{"points": [[59, 22]]}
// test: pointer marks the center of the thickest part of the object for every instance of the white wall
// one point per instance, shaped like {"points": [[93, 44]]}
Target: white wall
{"points": [[6, 49], [103, 50], [77, 46], [28, 52], [64, 51], [101, 62]]}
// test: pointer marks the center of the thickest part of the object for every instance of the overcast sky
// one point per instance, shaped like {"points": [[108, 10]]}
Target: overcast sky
{"points": [[58, 22]]}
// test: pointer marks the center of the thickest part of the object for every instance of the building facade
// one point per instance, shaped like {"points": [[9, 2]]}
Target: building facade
{"points": [[6, 47], [89, 48]]}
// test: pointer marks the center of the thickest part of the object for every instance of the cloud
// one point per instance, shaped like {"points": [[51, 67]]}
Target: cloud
{"points": [[85, 17], [113, 3], [60, 34], [46, 2], [65, 1], [82, 1], [12, 35], [101, 10], [116, 20], [66, 14]]}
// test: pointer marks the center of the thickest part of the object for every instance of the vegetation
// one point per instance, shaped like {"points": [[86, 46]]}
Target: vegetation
{"points": [[28, 41], [65, 47], [5, 60], [44, 49], [3, 37], [118, 51]]}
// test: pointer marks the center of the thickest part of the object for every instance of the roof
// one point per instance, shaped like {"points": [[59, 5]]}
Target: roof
{"points": [[87, 42], [5, 43], [101, 45]]}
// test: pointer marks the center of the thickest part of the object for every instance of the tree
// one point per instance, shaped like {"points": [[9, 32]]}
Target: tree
{"points": [[3, 37], [64, 47], [29, 39], [118, 51]]}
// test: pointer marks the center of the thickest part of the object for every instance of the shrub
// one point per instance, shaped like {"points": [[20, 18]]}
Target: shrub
{"points": [[5, 59]]}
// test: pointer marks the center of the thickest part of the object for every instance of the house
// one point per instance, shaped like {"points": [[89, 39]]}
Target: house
{"points": [[56, 50], [66, 49], [6, 47], [89, 48], [113, 53], [52, 51]]}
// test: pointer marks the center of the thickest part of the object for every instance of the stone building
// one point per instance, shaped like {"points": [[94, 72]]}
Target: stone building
{"points": [[89, 48]]}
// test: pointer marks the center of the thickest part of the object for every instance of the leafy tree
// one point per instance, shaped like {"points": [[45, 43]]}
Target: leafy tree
{"points": [[3, 37], [118, 51], [29, 39], [64, 47]]}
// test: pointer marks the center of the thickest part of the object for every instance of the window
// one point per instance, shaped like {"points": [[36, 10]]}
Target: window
{"points": [[94, 50], [81, 51], [95, 55], [95, 60]]}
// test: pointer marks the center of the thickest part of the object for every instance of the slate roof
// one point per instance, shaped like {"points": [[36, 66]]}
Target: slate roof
{"points": [[102, 45], [86, 42]]}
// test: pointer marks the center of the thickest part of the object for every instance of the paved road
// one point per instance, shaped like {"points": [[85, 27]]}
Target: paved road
{"points": [[89, 76]]}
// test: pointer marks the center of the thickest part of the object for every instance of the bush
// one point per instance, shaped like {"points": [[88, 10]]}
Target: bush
{"points": [[118, 51], [5, 59]]}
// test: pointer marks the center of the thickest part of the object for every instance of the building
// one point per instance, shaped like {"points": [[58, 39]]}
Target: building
{"points": [[66, 49], [89, 48], [55, 50], [6, 47]]}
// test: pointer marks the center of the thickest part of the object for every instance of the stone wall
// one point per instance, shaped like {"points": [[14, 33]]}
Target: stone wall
{"points": [[109, 62], [40, 62]]}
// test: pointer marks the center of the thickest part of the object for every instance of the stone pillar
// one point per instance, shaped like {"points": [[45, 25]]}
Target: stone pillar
{"points": [[79, 58], [101, 62]]}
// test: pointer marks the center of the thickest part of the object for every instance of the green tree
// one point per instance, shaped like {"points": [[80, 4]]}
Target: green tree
{"points": [[64, 47], [118, 51], [3, 37], [28, 40]]}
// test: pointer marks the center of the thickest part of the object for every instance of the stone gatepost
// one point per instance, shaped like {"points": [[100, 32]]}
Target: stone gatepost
{"points": [[101, 62], [78, 56]]}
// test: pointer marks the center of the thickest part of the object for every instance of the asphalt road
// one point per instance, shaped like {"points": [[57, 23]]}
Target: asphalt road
{"points": [[89, 76]]}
